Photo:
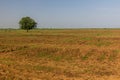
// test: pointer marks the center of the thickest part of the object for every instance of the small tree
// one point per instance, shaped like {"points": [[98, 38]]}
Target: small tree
{"points": [[27, 23]]}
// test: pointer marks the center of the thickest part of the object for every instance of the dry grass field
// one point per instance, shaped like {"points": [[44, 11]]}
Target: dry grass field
{"points": [[83, 54]]}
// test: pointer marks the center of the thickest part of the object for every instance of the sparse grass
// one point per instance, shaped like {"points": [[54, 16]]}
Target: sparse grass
{"points": [[87, 55], [102, 56], [62, 54], [114, 55], [50, 56], [43, 68]]}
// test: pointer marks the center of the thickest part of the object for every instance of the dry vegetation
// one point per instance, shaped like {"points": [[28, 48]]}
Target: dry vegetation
{"points": [[84, 54]]}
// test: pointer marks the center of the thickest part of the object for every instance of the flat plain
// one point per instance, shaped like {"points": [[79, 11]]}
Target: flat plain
{"points": [[60, 54]]}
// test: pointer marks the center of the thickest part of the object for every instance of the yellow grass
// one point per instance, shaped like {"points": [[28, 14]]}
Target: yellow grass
{"points": [[83, 54]]}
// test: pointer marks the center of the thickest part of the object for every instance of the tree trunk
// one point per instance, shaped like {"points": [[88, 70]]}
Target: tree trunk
{"points": [[27, 30]]}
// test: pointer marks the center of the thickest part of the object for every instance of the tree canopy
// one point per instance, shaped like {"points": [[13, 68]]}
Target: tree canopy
{"points": [[27, 23]]}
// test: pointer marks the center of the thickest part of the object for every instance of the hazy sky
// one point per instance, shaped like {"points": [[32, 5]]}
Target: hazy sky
{"points": [[61, 13]]}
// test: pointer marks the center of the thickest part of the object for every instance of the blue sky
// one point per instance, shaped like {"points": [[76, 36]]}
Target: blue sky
{"points": [[61, 13]]}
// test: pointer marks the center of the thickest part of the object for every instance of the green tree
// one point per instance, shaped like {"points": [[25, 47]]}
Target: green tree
{"points": [[27, 23]]}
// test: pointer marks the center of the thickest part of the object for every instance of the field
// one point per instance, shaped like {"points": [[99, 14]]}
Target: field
{"points": [[63, 54]]}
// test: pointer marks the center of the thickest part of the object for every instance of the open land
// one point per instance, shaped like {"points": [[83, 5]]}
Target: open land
{"points": [[60, 54]]}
